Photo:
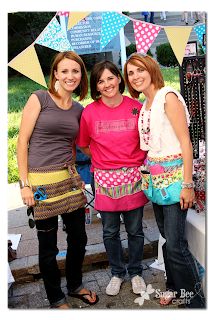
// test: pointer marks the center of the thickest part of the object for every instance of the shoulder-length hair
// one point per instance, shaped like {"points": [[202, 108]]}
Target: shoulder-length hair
{"points": [[82, 89], [150, 65], [96, 75]]}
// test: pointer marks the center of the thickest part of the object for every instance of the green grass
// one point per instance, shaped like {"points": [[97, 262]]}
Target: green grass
{"points": [[19, 90]]}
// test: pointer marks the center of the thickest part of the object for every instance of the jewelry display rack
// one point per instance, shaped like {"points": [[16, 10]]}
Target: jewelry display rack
{"points": [[193, 89]]}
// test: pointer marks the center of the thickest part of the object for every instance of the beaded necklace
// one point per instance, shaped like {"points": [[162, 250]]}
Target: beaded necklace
{"points": [[145, 127]]}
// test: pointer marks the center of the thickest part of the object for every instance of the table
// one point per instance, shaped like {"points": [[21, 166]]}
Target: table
{"points": [[195, 234]]}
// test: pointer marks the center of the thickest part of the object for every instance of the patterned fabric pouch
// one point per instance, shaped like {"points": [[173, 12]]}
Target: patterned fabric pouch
{"points": [[117, 183], [162, 182], [63, 189]]}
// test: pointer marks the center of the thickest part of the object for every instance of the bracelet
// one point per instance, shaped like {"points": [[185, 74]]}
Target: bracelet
{"points": [[24, 184], [186, 185]]}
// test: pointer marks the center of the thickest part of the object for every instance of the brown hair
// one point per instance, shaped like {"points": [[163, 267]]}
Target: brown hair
{"points": [[82, 89], [96, 74], [151, 66]]}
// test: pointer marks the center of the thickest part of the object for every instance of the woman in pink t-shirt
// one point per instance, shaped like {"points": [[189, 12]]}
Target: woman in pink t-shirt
{"points": [[109, 134]]}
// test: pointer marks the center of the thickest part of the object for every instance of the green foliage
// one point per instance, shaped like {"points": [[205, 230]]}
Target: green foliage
{"points": [[12, 160], [132, 48], [19, 90], [200, 50], [165, 55], [126, 13]]}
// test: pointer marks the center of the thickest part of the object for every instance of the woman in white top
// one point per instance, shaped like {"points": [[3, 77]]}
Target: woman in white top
{"points": [[167, 181]]}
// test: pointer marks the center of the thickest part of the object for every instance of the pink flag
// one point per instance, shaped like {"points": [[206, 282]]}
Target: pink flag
{"points": [[63, 13], [145, 35]]}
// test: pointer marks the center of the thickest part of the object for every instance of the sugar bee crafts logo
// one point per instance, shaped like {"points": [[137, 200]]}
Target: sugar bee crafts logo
{"points": [[183, 298], [145, 295]]}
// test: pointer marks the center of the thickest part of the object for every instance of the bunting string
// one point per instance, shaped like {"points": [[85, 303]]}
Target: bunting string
{"points": [[145, 34]]}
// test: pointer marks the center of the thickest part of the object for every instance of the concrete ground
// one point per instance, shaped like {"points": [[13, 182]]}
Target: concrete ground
{"points": [[32, 295]]}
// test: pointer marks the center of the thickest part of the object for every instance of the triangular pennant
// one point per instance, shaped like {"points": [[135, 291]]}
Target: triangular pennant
{"points": [[145, 35], [178, 38], [53, 37], [63, 13], [28, 64], [112, 22], [201, 33], [75, 17]]}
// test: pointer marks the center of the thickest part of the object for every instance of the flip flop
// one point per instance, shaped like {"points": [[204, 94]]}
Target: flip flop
{"points": [[82, 296]]}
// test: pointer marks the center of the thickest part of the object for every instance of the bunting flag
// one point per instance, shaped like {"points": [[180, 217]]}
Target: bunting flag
{"points": [[201, 34], [75, 17], [145, 35], [178, 38], [112, 22], [63, 13], [28, 64], [108, 27], [53, 37]]}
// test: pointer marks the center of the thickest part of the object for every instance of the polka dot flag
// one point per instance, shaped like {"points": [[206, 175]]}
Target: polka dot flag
{"points": [[112, 22], [201, 33], [145, 35]]}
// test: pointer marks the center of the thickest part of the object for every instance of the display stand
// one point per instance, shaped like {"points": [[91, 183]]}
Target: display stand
{"points": [[193, 89]]}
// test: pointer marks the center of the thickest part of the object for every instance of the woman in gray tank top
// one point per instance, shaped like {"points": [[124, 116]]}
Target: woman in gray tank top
{"points": [[49, 182]]}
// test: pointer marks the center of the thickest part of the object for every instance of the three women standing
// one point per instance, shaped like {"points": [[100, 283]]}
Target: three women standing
{"points": [[109, 133]]}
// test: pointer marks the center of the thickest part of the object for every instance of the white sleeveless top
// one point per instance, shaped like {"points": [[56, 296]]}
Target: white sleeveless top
{"points": [[162, 139]]}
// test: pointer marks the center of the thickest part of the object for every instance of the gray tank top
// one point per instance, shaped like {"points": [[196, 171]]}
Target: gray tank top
{"points": [[54, 132]]}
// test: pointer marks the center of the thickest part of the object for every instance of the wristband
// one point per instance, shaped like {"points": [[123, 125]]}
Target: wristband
{"points": [[186, 185], [23, 184]]}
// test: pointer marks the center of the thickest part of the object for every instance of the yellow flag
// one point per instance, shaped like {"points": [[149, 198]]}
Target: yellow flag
{"points": [[178, 38], [75, 17], [28, 64]]}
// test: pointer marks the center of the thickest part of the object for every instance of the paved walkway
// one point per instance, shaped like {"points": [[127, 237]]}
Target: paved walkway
{"points": [[32, 295]]}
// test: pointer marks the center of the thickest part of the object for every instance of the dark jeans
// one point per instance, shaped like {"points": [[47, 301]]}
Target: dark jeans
{"points": [[112, 242], [181, 269], [74, 223]]}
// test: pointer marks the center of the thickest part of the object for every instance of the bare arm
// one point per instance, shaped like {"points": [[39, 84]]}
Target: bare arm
{"points": [[86, 150], [176, 114], [29, 117]]}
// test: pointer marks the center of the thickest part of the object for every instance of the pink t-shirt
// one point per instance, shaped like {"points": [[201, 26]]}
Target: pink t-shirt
{"points": [[112, 134]]}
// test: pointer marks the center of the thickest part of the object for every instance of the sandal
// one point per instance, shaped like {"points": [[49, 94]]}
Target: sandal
{"points": [[82, 296], [167, 298]]}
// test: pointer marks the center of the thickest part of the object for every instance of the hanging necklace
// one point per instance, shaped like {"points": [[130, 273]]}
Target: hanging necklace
{"points": [[145, 127]]}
